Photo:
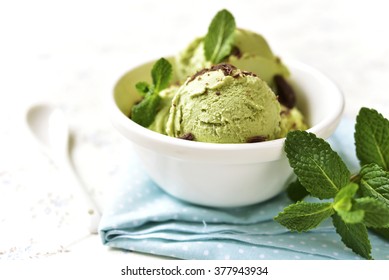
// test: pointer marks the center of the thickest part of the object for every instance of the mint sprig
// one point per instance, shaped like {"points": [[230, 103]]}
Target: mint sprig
{"points": [[357, 203], [374, 182], [296, 191], [354, 236], [343, 205], [304, 216], [376, 213], [144, 112], [372, 138], [320, 170], [220, 37]]}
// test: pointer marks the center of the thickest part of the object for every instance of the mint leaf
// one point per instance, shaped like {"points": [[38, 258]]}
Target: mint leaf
{"points": [[354, 236], [372, 138], [374, 182], [144, 112], [343, 204], [303, 216], [320, 169], [343, 199], [161, 74], [296, 191], [351, 217], [376, 212], [143, 88], [383, 232], [359, 202], [220, 37]]}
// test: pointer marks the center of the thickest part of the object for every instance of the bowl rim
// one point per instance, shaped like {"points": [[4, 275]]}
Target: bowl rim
{"points": [[175, 147]]}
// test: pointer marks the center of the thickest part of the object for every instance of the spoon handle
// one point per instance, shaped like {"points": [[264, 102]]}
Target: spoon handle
{"points": [[93, 209]]}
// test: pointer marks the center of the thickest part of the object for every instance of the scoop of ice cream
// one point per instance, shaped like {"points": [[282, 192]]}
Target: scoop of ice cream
{"points": [[250, 52], [223, 104], [159, 123], [291, 119]]}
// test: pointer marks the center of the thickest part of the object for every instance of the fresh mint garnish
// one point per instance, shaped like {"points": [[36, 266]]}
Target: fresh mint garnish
{"points": [[303, 216], [372, 138], [161, 74], [144, 112], [354, 236], [296, 191], [143, 88], [220, 37], [376, 212], [343, 204], [384, 232], [320, 170], [355, 203], [374, 182]]}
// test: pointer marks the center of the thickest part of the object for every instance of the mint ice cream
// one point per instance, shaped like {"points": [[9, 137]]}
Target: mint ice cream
{"points": [[233, 90], [291, 119], [250, 52], [223, 104]]}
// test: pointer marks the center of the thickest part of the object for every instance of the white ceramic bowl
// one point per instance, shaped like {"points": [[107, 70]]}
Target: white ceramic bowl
{"points": [[224, 175]]}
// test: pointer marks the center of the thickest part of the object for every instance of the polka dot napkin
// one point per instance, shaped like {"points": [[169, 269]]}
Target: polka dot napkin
{"points": [[141, 217]]}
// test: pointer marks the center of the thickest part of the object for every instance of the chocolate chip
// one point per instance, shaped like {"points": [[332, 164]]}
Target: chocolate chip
{"points": [[257, 138], [187, 136], [225, 67], [217, 93], [286, 94], [247, 73], [236, 52], [199, 73]]}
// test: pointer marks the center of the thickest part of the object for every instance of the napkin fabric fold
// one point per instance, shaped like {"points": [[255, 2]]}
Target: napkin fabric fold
{"points": [[142, 217]]}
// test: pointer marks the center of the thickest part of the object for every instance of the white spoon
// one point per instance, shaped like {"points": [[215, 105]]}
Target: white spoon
{"points": [[49, 126]]}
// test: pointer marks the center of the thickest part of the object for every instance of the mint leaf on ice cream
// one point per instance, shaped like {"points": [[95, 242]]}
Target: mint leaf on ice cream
{"points": [[144, 112], [161, 74], [219, 39], [143, 88]]}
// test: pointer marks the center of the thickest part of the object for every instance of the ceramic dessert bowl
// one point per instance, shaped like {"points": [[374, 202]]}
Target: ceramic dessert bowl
{"points": [[224, 175]]}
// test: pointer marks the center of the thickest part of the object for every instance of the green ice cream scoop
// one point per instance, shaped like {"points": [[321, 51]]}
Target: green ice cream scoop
{"points": [[223, 104], [250, 52], [291, 119]]}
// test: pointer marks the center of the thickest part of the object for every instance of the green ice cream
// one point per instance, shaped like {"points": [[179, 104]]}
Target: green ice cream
{"points": [[291, 119], [224, 105], [250, 52], [246, 98]]}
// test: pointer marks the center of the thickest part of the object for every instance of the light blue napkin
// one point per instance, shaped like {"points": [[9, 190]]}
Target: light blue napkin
{"points": [[141, 217]]}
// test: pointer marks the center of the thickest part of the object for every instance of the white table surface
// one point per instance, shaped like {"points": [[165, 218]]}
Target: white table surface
{"points": [[70, 53]]}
